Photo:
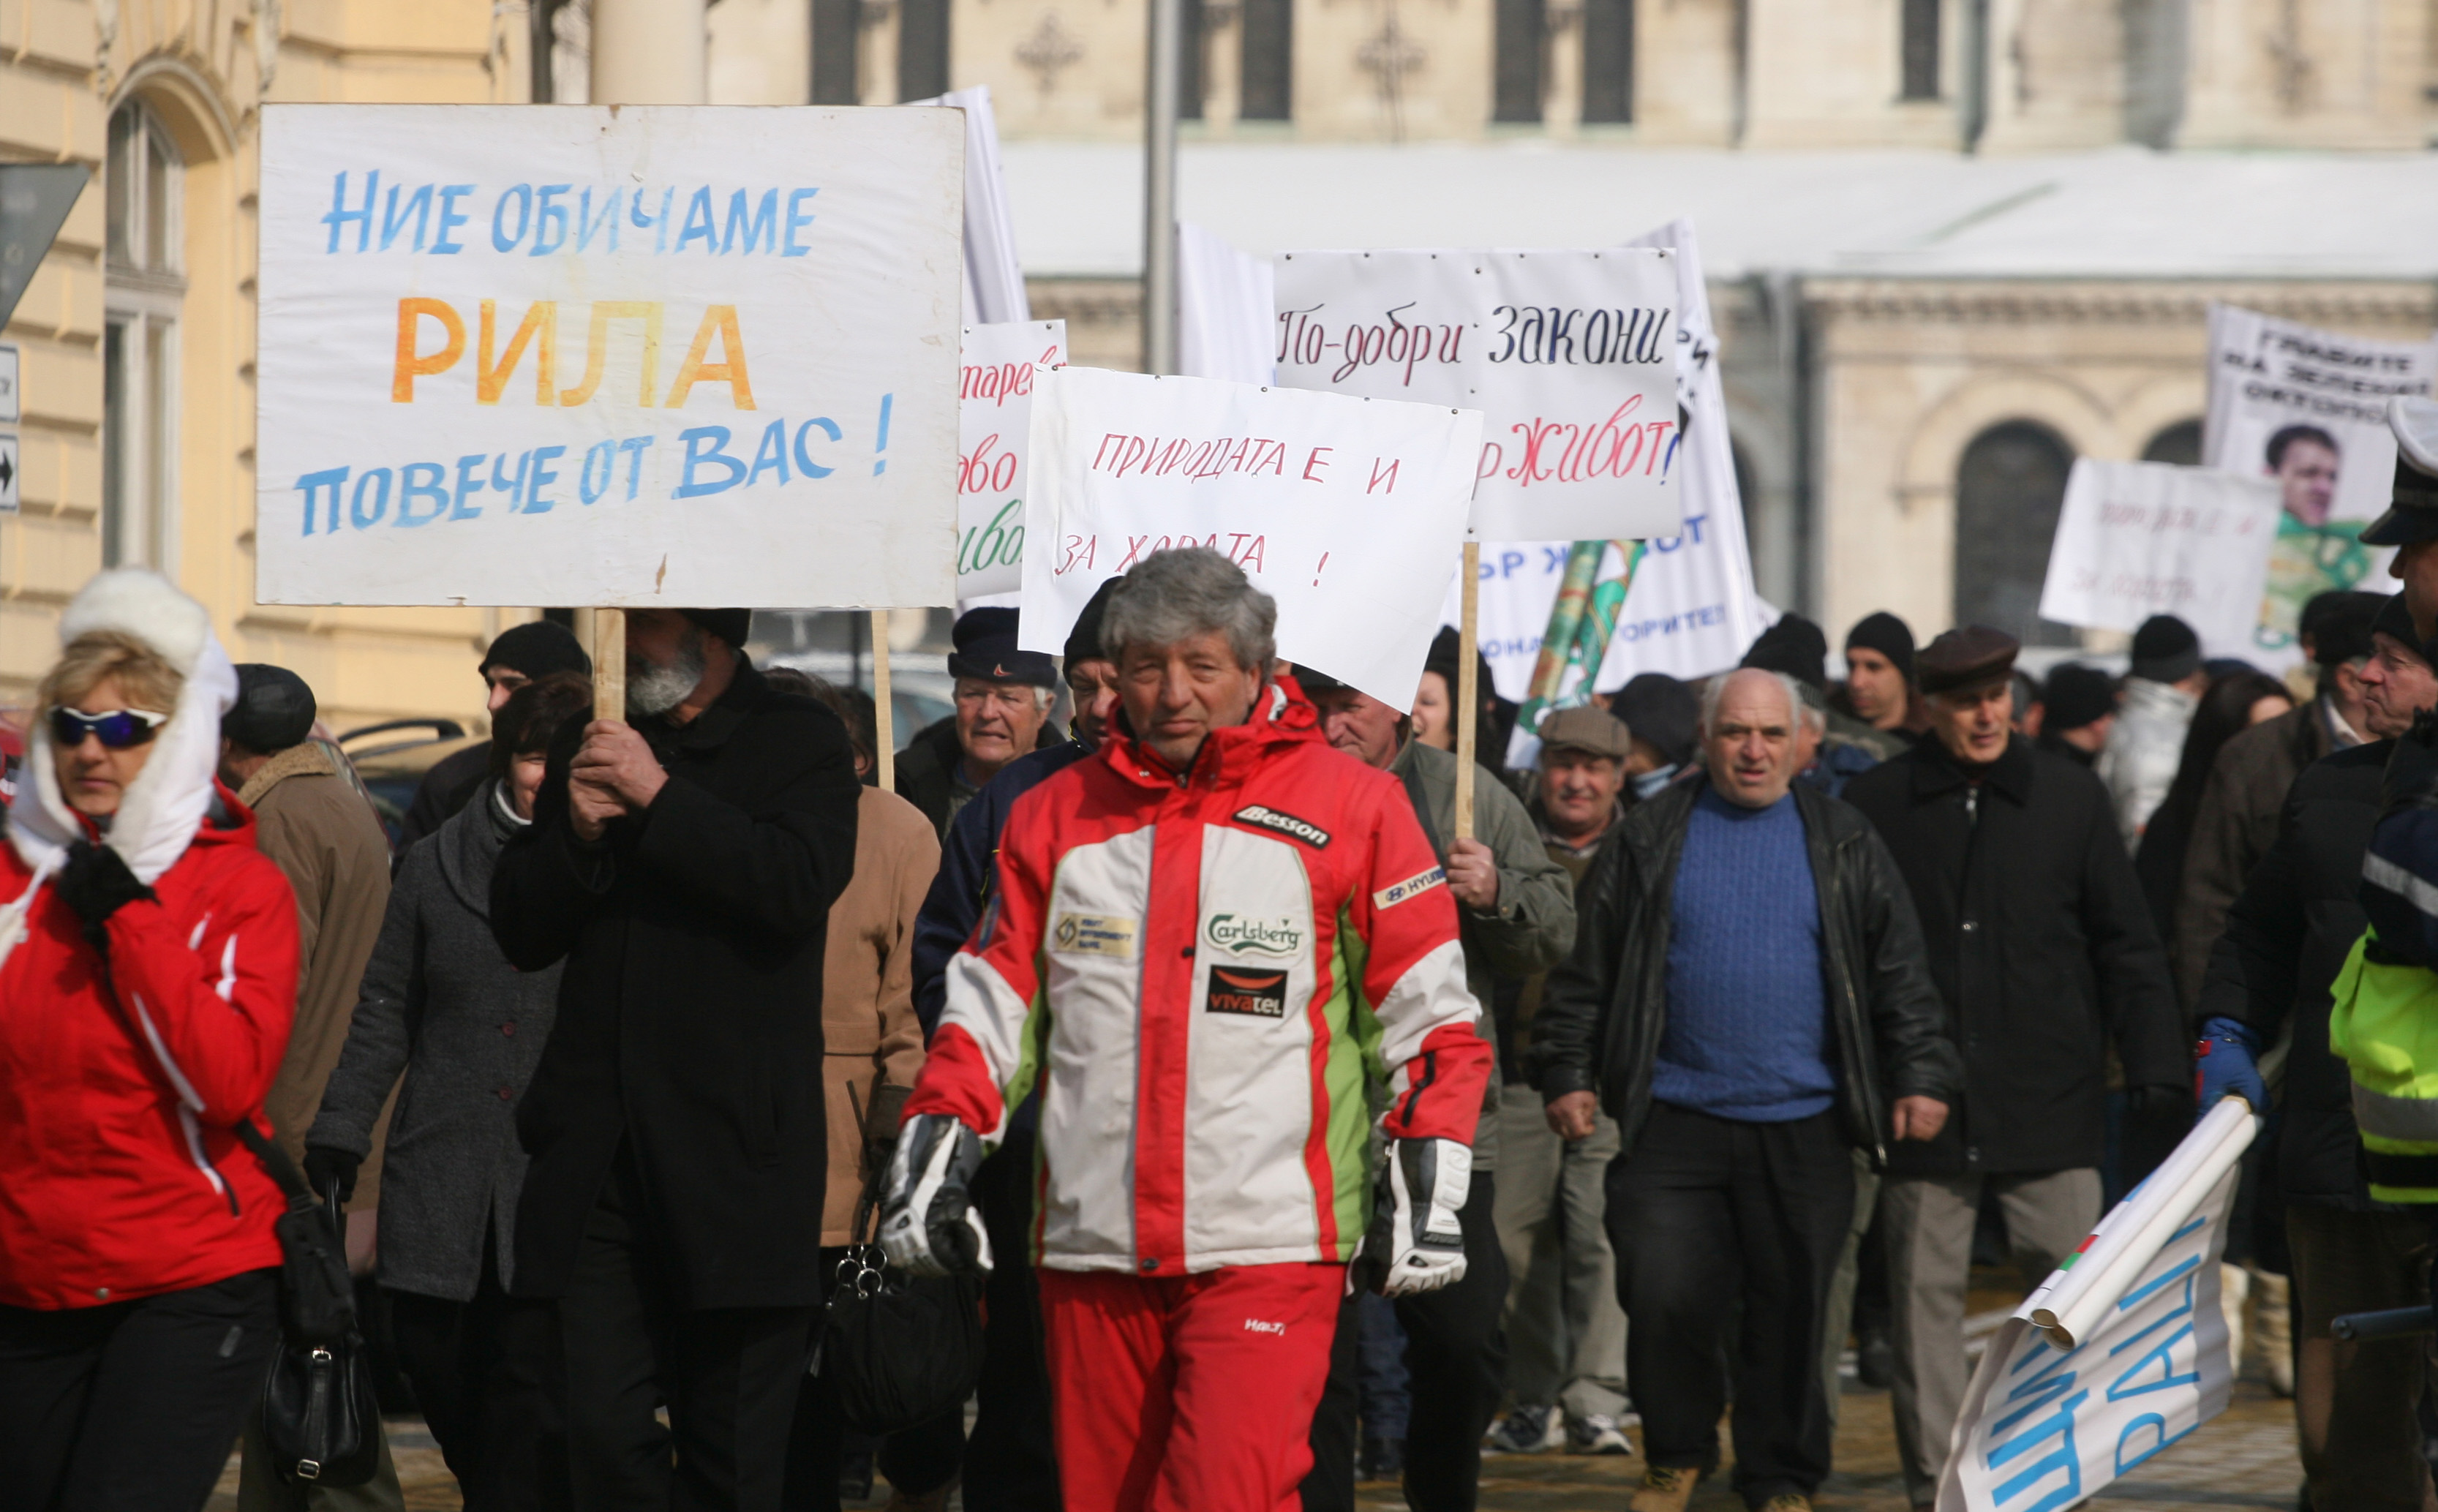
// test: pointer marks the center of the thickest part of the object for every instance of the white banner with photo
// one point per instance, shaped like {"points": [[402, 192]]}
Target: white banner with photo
{"points": [[994, 432], [2119, 1354], [644, 357], [1343, 510], [1571, 356], [2308, 407], [2138, 538]]}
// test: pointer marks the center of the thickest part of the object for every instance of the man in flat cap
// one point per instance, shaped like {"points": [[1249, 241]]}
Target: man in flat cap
{"points": [[518, 655], [2044, 953], [2411, 523], [1566, 1333], [318, 826], [1003, 696], [681, 862]]}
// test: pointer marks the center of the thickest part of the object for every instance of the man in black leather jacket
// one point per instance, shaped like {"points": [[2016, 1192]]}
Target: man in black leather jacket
{"points": [[1748, 997]]}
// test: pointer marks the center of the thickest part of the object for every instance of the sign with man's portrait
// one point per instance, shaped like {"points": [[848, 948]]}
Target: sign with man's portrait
{"points": [[2308, 407]]}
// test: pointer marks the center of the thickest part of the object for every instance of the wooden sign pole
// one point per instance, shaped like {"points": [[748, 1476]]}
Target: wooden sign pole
{"points": [[1467, 693], [884, 741], [608, 650]]}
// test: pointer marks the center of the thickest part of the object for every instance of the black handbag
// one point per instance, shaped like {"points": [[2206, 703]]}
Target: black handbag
{"points": [[896, 1350], [320, 1419]]}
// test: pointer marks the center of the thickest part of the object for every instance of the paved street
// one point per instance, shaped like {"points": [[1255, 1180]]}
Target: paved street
{"points": [[2243, 1459]]}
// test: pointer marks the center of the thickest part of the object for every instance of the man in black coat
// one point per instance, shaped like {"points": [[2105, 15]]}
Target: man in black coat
{"points": [[2044, 952], [1746, 998], [2286, 935], [682, 866]]}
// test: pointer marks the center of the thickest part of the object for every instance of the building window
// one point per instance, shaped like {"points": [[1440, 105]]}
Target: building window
{"points": [[922, 48], [2008, 489], [1523, 45], [1191, 77], [1608, 61], [836, 24], [143, 287], [1268, 72], [2179, 443], [1920, 50]]}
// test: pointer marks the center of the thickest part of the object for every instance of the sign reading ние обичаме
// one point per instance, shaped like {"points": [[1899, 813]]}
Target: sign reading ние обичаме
{"points": [[673, 355]]}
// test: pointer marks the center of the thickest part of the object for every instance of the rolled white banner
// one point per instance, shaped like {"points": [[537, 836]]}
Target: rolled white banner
{"points": [[2078, 1295]]}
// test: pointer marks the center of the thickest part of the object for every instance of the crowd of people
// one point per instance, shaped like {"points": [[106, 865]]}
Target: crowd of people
{"points": [[1298, 1122]]}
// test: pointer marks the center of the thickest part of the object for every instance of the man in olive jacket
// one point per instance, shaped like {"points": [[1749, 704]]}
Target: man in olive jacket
{"points": [[2044, 953], [684, 865], [1748, 1000]]}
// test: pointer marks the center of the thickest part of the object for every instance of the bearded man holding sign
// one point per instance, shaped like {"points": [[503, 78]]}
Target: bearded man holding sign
{"points": [[1207, 944]]}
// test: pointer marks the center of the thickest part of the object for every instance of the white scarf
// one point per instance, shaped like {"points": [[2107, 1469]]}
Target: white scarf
{"points": [[158, 815]]}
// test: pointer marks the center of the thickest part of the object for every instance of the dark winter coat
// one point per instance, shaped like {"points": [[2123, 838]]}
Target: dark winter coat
{"points": [[690, 1016], [2286, 935], [926, 773], [440, 1005], [2042, 946], [2234, 826], [1605, 1006]]}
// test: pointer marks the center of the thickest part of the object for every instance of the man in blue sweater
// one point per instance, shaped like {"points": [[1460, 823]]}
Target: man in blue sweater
{"points": [[1748, 999]]}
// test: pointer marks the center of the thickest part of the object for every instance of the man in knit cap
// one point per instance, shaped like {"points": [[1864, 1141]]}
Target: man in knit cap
{"points": [[1879, 675], [1662, 717], [2154, 711], [2079, 708], [518, 655]]}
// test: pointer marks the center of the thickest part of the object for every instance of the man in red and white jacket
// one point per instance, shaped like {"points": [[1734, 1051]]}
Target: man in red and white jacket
{"points": [[1223, 949]]}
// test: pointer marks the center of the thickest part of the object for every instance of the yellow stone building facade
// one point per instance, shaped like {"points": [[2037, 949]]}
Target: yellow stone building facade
{"points": [[136, 334]]}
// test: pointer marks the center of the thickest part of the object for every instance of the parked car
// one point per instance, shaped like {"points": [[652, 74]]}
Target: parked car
{"points": [[392, 757]]}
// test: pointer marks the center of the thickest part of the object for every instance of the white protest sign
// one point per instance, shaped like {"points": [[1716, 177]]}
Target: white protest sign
{"points": [[2138, 538], [2055, 1413], [1570, 355], [1226, 305], [1692, 609], [994, 425], [654, 355], [2308, 407], [1344, 510]]}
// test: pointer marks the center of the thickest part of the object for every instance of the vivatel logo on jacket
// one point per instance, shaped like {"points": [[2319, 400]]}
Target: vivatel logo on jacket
{"points": [[1241, 936]]}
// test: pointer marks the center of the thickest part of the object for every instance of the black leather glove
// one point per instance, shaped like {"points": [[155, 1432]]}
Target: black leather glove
{"points": [[97, 884], [329, 1169]]}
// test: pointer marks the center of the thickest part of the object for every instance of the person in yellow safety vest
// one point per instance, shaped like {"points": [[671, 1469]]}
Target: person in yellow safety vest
{"points": [[2384, 1023]]}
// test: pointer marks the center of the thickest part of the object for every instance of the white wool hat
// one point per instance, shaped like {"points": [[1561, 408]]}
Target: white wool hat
{"points": [[138, 601]]}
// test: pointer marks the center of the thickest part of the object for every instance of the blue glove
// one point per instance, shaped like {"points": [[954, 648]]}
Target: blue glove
{"points": [[2223, 1064]]}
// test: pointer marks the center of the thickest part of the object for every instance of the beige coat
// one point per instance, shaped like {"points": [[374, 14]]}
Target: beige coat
{"points": [[869, 1031], [319, 831]]}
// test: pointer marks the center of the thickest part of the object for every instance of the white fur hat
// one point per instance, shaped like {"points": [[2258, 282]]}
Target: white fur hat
{"points": [[139, 602]]}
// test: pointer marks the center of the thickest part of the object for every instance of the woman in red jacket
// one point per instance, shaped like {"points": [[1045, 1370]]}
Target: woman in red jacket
{"points": [[148, 975]]}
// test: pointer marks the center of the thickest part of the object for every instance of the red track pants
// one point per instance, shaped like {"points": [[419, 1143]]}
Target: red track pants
{"points": [[1193, 1392]]}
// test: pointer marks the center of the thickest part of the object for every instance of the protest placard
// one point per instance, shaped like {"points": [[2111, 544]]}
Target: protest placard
{"points": [[1346, 511], [994, 432], [1226, 303], [646, 356], [2121, 1352], [2307, 408], [2138, 538], [1571, 356]]}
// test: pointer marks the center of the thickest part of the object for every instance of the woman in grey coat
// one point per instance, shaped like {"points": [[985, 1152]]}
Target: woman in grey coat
{"points": [[441, 1006]]}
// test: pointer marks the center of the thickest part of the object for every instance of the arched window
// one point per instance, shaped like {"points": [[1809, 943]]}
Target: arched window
{"points": [[2008, 489], [144, 284], [2179, 443]]}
